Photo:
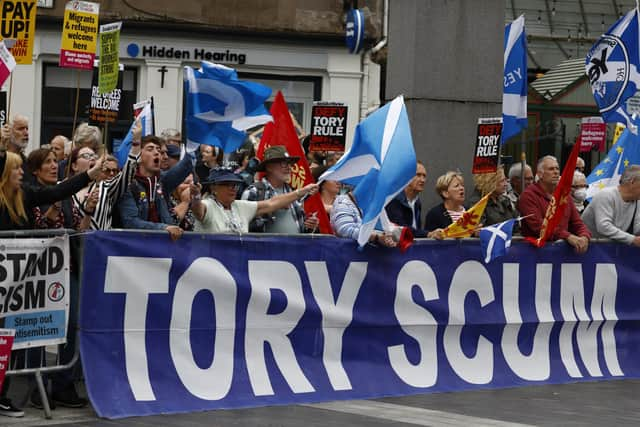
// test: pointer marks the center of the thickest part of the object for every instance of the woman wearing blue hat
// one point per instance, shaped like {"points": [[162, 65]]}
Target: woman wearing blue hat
{"points": [[220, 212]]}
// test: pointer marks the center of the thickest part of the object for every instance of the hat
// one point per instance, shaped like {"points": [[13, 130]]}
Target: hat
{"points": [[218, 175], [276, 153], [173, 151]]}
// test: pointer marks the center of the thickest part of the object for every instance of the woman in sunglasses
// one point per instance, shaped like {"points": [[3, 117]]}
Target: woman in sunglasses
{"points": [[220, 212]]}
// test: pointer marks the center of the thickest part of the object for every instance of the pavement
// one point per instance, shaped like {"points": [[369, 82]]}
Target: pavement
{"points": [[605, 403]]}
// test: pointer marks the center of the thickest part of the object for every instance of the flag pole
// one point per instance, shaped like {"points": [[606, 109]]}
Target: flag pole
{"points": [[8, 118], [523, 159], [75, 113]]}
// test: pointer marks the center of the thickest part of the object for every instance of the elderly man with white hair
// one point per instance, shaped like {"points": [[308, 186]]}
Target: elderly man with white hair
{"points": [[515, 179], [15, 135], [613, 212], [579, 191]]}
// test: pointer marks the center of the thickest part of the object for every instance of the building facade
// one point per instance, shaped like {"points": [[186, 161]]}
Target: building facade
{"points": [[296, 47]]}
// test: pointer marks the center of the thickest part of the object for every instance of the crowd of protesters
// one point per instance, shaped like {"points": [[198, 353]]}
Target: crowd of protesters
{"points": [[75, 184]]}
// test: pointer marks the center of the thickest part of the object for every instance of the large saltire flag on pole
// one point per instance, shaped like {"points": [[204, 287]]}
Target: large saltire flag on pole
{"points": [[220, 107], [380, 163], [612, 66], [469, 222], [282, 132], [624, 153], [559, 200], [514, 94]]}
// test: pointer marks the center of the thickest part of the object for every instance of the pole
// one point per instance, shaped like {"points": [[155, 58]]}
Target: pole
{"points": [[104, 136], [75, 114], [8, 118], [523, 158]]}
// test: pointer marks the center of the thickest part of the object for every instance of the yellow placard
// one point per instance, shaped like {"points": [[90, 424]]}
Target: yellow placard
{"points": [[79, 35], [18, 28]]}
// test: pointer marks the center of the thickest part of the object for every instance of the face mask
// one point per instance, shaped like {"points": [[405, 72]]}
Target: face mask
{"points": [[580, 194]]}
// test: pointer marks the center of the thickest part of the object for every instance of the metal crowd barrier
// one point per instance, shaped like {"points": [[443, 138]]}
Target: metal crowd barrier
{"points": [[37, 361]]}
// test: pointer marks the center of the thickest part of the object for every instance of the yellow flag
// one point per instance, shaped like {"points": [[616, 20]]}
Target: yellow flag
{"points": [[469, 221], [619, 129]]}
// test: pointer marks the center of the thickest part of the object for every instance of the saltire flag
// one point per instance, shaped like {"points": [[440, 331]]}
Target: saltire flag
{"points": [[144, 118], [495, 239], [612, 66], [559, 201], [7, 63], [469, 222], [281, 131], [514, 94], [379, 164], [624, 153], [219, 107]]}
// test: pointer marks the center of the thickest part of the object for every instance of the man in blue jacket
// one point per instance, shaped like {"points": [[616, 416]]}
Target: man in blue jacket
{"points": [[144, 206], [406, 209]]}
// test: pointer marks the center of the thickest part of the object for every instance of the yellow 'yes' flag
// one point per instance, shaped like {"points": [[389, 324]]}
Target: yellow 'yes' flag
{"points": [[469, 221], [616, 134]]}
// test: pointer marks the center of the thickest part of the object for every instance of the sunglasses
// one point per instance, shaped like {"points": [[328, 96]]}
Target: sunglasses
{"points": [[111, 171]]}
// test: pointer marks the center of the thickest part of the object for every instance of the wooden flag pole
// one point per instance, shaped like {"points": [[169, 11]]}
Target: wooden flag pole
{"points": [[75, 114], [9, 101], [104, 136]]}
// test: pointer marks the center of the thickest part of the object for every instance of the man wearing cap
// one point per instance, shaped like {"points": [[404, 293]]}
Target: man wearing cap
{"points": [[220, 212], [276, 165]]}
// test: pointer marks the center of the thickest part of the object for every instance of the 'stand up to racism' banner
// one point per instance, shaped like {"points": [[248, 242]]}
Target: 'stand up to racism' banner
{"points": [[34, 294], [222, 322]]}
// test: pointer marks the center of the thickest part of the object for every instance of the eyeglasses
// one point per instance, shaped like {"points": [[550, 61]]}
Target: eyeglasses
{"points": [[88, 156], [284, 164], [111, 171]]}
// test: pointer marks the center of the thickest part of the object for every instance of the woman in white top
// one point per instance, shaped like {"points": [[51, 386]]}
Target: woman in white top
{"points": [[220, 212]]}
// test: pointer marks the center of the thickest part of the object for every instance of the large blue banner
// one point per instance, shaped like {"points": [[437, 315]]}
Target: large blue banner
{"points": [[216, 321]]}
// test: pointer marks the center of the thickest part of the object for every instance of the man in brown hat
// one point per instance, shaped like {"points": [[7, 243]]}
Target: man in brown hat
{"points": [[276, 164]]}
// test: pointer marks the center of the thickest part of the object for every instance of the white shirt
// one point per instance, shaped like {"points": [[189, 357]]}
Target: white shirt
{"points": [[217, 219]]}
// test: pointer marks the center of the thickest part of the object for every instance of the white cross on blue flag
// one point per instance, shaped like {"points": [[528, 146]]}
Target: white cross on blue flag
{"points": [[514, 94], [380, 162], [496, 239], [219, 107], [612, 66], [145, 119]]}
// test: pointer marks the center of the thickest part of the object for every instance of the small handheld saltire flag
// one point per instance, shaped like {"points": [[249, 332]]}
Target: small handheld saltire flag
{"points": [[219, 107], [380, 162], [468, 223], [495, 239], [7, 63], [143, 119], [559, 201], [612, 66], [624, 153], [282, 132], [514, 94]]}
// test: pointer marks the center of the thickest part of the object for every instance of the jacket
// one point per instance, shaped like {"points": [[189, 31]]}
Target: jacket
{"points": [[399, 212]]}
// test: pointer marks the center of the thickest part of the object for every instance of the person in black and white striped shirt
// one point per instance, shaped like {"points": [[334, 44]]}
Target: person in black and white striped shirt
{"points": [[100, 206]]}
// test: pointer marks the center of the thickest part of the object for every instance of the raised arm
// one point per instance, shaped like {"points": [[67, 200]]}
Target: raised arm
{"points": [[284, 200]]}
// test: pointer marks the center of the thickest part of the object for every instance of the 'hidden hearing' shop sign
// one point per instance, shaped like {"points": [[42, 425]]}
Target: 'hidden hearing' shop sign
{"points": [[196, 54]]}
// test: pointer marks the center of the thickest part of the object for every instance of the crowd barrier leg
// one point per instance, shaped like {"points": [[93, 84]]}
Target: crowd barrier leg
{"points": [[66, 359]]}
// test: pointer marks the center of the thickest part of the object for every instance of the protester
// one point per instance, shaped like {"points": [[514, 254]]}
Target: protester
{"points": [[579, 191], [499, 207], [173, 155], [332, 158], [181, 205], [210, 157], [171, 137], [109, 167], [15, 135], [43, 165], [220, 212], [515, 180], [406, 208], [276, 164], [58, 144], [85, 135], [613, 212], [580, 165], [144, 205], [533, 205], [346, 220], [328, 190], [450, 187]]}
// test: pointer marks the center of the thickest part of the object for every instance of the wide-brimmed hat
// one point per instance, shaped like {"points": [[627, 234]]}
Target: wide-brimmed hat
{"points": [[277, 153], [218, 175]]}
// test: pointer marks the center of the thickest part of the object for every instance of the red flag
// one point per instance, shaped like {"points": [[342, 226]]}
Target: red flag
{"points": [[559, 201], [282, 132]]}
